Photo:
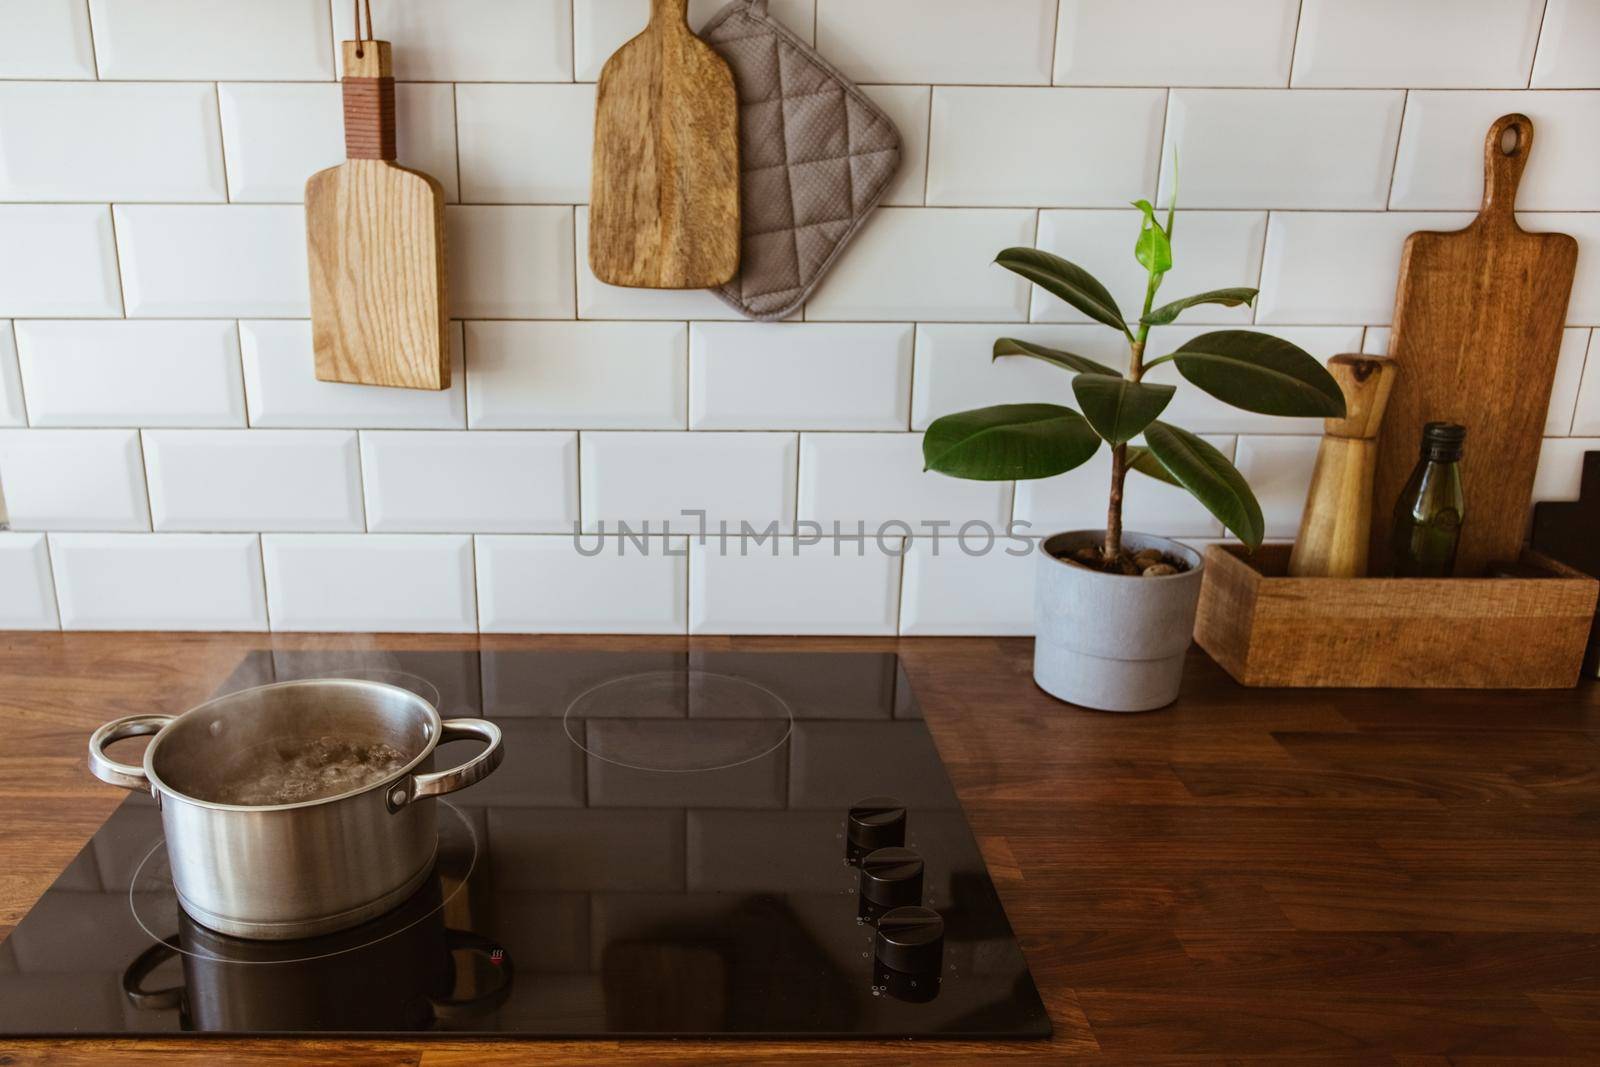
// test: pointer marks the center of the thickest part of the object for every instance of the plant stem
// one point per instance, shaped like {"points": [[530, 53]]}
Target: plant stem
{"points": [[1112, 548]]}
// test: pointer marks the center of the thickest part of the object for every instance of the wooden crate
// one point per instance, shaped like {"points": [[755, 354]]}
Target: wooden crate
{"points": [[1267, 629]]}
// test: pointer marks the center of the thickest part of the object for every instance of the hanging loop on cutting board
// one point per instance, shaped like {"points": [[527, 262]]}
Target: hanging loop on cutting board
{"points": [[371, 34], [1505, 156]]}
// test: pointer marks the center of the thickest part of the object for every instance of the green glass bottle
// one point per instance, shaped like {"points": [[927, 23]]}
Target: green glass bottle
{"points": [[1428, 516]]}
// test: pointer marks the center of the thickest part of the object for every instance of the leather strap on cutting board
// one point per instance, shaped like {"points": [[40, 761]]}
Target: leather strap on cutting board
{"points": [[1477, 332]]}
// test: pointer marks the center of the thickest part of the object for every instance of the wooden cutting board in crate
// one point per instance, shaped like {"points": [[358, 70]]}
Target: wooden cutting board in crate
{"points": [[1477, 332]]}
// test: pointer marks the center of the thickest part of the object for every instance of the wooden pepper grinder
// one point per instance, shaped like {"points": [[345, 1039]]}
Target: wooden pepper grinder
{"points": [[1336, 528]]}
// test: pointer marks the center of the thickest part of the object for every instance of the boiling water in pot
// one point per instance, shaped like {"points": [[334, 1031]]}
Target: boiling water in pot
{"points": [[294, 771]]}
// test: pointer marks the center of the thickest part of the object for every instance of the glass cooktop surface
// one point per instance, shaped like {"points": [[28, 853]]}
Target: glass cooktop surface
{"points": [[676, 844]]}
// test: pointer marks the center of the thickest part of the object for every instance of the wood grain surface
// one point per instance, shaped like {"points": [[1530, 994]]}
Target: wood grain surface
{"points": [[665, 190], [1249, 877], [1477, 332], [375, 236]]}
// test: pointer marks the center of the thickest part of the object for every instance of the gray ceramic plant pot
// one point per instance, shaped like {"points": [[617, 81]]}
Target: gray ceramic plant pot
{"points": [[1113, 642]]}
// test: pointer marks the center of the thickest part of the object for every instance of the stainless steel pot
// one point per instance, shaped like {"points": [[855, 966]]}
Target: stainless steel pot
{"points": [[282, 871]]}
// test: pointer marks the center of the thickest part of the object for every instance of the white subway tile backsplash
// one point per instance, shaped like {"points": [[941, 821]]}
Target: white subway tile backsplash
{"points": [[12, 410], [794, 586], [974, 127], [1560, 473], [1440, 165], [30, 595], [1240, 148], [159, 581], [1211, 250], [908, 108], [387, 583], [1077, 500], [510, 262], [597, 300], [998, 42], [812, 376], [428, 481], [1567, 45], [472, 40], [1176, 42], [60, 259], [73, 480], [577, 375], [592, 585], [45, 39], [929, 264], [201, 40], [1278, 470], [879, 479], [971, 586], [654, 477], [1325, 267], [603, 26], [1419, 44], [525, 144], [76, 141], [222, 481], [1568, 384], [213, 262], [1586, 419], [124, 373]]}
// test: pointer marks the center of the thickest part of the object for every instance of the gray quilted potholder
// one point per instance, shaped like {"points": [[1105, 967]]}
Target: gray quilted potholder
{"points": [[816, 156]]}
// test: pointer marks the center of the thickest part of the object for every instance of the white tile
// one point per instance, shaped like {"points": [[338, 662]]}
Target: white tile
{"points": [[597, 300], [811, 376], [1278, 470], [60, 259], [1176, 42], [1440, 165], [592, 585], [254, 40], [1255, 148], [159, 581], [280, 376], [1584, 308], [1586, 419], [655, 477], [1077, 500], [472, 40], [222, 481], [12, 410], [73, 480], [929, 263], [45, 39], [204, 262], [1323, 268], [525, 144], [1567, 46], [603, 26], [1423, 44], [908, 108], [79, 141], [387, 583], [793, 586], [30, 594], [510, 262], [1560, 473], [428, 481], [1568, 384], [128, 373], [278, 136], [878, 479], [975, 127], [1211, 250], [973, 586], [998, 42], [1376, 342], [577, 375]]}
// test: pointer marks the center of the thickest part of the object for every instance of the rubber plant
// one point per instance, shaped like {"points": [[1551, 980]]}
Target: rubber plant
{"points": [[1252, 371]]}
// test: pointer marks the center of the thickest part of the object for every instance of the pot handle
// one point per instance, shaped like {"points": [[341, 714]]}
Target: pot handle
{"points": [[133, 980], [109, 770], [479, 767]]}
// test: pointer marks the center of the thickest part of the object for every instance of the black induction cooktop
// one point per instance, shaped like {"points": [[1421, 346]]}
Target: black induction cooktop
{"points": [[720, 844]]}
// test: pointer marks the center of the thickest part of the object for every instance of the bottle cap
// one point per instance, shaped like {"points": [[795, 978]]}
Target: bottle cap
{"points": [[1443, 440]]}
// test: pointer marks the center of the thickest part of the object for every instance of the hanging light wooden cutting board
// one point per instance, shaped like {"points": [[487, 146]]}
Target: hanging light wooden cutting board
{"points": [[375, 231], [1477, 332], [664, 208]]}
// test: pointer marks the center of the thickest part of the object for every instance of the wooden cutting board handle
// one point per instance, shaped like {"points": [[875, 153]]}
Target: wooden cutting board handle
{"points": [[1505, 157], [1337, 523], [369, 100]]}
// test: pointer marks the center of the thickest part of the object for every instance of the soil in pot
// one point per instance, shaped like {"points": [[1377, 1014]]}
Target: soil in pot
{"points": [[1148, 563]]}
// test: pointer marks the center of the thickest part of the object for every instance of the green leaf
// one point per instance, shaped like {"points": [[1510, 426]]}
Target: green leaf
{"points": [[1119, 409], [1229, 298], [1145, 462], [1260, 373], [1209, 478], [1010, 346], [1066, 280], [1011, 441], [1154, 248]]}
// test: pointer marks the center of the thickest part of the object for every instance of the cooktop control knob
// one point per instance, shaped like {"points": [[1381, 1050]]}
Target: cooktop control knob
{"points": [[876, 822], [911, 941], [891, 877]]}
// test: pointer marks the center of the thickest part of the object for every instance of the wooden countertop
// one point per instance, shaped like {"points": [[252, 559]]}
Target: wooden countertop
{"points": [[1258, 875]]}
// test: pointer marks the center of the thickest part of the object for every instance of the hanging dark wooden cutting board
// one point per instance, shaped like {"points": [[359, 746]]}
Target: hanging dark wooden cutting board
{"points": [[1477, 331]]}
